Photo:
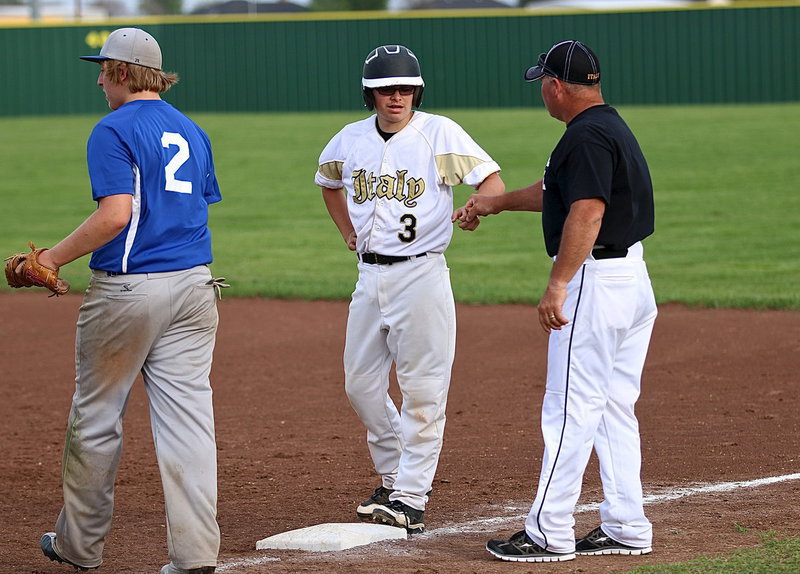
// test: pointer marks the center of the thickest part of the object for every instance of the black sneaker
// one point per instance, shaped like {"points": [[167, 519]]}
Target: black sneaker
{"points": [[172, 569], [396, 513], [598, 542], [49, 550], [378, 498], [520, 548]]}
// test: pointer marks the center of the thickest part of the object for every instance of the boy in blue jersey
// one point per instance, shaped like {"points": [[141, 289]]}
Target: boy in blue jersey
{"points": [[150, 308]]}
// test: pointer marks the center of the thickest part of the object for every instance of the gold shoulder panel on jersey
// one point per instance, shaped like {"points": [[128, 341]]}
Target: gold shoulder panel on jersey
{"points": [[454, 167], [331, 170]]}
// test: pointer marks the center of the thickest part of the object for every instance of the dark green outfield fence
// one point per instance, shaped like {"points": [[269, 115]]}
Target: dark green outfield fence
{"points": [[309, 63]]}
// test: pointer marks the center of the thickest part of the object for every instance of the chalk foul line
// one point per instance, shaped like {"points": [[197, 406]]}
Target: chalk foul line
{"points": [[656, 496], [663, 495]]}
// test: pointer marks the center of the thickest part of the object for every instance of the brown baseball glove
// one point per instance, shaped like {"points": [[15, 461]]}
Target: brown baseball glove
{"points": [[24, 270]]}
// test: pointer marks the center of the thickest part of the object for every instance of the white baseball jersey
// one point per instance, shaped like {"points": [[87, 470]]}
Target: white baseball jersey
{"points": [[400, 201], [399, 192]]}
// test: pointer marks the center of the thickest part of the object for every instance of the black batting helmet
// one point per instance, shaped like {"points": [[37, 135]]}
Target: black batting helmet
{"points": [[391, 65]]}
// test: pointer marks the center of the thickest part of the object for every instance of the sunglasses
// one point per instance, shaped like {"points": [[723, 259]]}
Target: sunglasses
{"points": [[390, 90]]}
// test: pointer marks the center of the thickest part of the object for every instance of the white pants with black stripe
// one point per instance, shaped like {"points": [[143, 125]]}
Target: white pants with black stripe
{"points": [[593, 382], [402, 313]]}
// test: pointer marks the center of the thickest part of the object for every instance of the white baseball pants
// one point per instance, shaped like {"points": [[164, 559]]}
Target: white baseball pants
{"points": [[164, 326], [402, 313], [593, 382]]}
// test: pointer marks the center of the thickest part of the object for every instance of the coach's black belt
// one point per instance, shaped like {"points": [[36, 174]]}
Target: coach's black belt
{"points": [[378, 259], [603, 252]]}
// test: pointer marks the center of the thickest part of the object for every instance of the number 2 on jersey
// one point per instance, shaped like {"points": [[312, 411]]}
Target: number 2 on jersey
{"points": [[174, 184], [410, 232]]}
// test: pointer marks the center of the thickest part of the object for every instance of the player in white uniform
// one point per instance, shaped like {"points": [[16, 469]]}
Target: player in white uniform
{"points": [[397, 169], [150, 308]]}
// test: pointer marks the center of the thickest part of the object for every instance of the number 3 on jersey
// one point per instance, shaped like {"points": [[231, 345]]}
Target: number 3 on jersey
{"points": [[410, 232], [174, 184]]}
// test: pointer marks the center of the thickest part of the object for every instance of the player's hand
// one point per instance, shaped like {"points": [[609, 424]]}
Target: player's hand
{"points": [[351, 241], [46, 259], [459, 216], [34, 270]]}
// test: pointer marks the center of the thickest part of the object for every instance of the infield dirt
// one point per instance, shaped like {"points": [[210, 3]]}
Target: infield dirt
{"points": [[719, 403]]}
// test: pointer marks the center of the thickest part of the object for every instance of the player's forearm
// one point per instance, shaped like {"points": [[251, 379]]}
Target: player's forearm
{"points": [[110, 218], [336, 204], [492, 185]]}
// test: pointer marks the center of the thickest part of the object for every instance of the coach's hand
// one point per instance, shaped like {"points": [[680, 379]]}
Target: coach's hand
{"points": [[550, 308]]}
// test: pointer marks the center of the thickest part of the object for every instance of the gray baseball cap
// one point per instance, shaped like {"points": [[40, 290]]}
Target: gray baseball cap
{"points": [[131, 45]]}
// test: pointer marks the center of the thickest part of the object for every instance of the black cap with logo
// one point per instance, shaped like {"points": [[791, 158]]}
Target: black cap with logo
{"points": [[570, 61]]}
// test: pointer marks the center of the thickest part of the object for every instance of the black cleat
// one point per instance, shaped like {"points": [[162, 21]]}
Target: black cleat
{"points": [[400, 515], [172, 569], [520, 548], [599, 543], [378, 498]]}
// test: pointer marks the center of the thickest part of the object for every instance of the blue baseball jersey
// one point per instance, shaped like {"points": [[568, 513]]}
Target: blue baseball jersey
{"points": [[150, 150]]}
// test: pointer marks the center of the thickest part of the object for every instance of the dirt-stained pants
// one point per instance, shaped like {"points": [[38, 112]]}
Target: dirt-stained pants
{"points": [[162, 325]]}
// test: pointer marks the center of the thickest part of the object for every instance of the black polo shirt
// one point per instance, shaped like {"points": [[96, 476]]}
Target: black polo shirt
{"points": [[598, 157]]}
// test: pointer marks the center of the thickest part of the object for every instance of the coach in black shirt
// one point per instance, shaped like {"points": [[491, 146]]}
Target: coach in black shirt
{"points": [[598, 309], [598, 157]]}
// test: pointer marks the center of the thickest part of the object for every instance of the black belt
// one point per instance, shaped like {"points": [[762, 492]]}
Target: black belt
{"points": [[378, 259], [602, 252]]}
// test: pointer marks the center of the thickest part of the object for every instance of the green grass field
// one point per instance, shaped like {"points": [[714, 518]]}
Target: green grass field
{"points": [[725, 180], [775, 556], [726, 236]]}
